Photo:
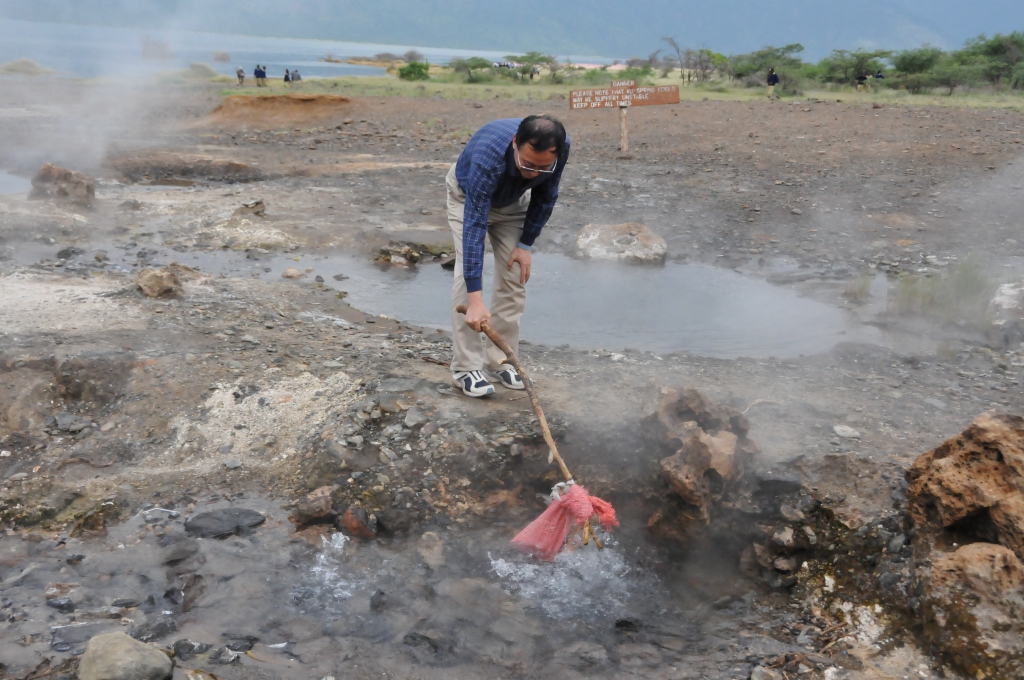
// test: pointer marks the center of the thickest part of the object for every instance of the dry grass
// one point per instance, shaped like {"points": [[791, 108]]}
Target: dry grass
{"points": [[960, 295]]}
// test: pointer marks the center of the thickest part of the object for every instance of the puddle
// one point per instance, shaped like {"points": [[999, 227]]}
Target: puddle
{"points": [[12, 184], [694, 308], [452, 598]]}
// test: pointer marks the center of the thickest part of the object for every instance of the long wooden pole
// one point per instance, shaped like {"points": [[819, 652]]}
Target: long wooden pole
{"points": [[500, 343], [623, 129]]}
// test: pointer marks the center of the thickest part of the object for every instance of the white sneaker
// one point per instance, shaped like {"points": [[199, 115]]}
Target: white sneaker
{"points": [[473, 384], [509, 377]]}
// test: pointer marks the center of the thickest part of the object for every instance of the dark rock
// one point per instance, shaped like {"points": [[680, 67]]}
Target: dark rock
{"points": [[776, 482], [186, 649], [223, 522], [61, 604], [179, 552], [889, 581], [355, 522], [377, 600], [154, 630], [393, 522], [79, 632], [240, 643], [126, 602]]}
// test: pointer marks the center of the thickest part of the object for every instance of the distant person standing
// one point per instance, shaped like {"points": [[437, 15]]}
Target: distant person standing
{"points": [[879, 75], [256, 75], [773, 80], [862, 82], [295, 75], [287, 76], [241, 75]]}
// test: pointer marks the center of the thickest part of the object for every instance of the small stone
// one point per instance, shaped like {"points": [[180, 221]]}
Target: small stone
{"points": [[383, 478], [355, 522], [18, 476], [333, 364], [762, 673], [225, 448], [785, 564], [791, 514], [292, 273], [845, 431], [811, 537], [896, 544], [116, 656], [772, 481], [233, 464], [431, 549], [355, 441], [318, 278], [377, 600], [889, 581], [784, 537], [61, 604], [339, 277], [415, 418], [797, 211]]}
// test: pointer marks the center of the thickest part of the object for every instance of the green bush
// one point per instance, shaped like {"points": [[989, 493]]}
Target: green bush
{"points": [[415, 70]]}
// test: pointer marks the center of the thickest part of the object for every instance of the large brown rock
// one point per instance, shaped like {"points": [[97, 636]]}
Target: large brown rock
{"points": [[974, 483], [973, 610], [314, 507], [629, 241], [116, 656], [65, 185], [159, 283], [705, 443]]}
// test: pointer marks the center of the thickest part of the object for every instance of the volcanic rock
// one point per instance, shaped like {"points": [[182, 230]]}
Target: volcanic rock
{"points": [[355, 522], [158, 283], [257, 208], [223, 522], [705, 443], [629, 241], [971, 607], [116, 656], [314, 506], [974, 483], [66, 185]]}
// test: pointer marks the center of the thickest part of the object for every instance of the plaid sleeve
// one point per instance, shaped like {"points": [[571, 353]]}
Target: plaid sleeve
{"points": [[542, 201], [484, 174]]}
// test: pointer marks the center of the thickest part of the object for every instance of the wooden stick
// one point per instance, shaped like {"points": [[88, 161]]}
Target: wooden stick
{"points": [[623, 129], [500, 343]]}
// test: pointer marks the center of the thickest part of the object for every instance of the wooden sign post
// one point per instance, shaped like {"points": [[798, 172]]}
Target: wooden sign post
{"points": [[623, 94]]}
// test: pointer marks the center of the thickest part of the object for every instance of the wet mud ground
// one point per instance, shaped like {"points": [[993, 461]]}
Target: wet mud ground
{"points": [[247, 392]]}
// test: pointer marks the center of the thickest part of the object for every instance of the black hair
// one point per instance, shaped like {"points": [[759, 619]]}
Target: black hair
{"points": [[542, 133]]}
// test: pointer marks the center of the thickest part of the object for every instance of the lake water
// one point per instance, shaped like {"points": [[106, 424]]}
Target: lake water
{"points": [[94, 51]]}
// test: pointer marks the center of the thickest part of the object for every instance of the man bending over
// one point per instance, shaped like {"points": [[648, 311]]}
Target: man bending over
{"points": [[504, 186]]}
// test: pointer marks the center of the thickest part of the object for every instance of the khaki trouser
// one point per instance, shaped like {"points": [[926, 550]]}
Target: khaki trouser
{"points": [[771, 90], [473, 351]]}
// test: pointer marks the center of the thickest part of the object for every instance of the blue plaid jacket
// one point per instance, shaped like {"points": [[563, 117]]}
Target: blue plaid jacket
{"points": [[487, 174]]}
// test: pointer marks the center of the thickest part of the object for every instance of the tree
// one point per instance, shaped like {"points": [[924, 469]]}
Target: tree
{"points": [[952, 73], [415, 70], [413, 55], [779, 58], [843, 66], [1001, 55], [679, 54], [918, 60], [469, 65]]}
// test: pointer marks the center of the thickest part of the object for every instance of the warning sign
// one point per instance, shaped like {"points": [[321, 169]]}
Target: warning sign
{"points": [[613, 97]]}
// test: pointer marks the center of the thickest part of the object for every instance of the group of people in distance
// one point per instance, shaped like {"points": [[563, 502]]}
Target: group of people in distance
{"points": [[862, 81], [260, 74]]}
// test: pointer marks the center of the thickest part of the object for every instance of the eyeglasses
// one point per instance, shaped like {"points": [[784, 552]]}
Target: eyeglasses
{"points": [[529, 168]]}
